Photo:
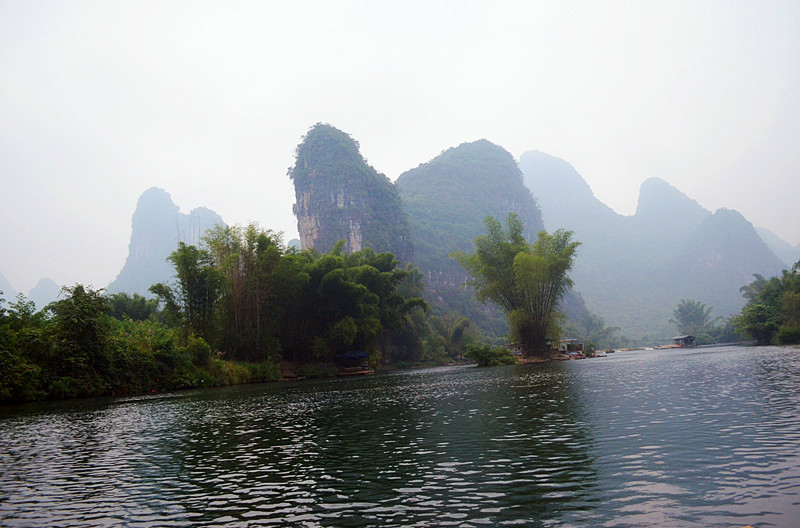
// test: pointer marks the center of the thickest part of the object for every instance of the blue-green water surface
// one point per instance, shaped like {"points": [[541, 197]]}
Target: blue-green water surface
{"points": [[687, 438]]}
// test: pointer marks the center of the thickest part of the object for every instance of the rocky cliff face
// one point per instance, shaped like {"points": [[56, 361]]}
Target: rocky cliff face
{"points": [[156, 228], [341, 197]]}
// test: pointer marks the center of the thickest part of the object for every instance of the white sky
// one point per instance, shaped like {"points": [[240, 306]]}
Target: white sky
{"points": [[101, 100]]}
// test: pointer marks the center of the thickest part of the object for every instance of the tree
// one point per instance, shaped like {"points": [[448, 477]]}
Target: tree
{"points": [[80, 334], [692, 318], [136, 307], [526, 281], [772, 313], [194, 299]]}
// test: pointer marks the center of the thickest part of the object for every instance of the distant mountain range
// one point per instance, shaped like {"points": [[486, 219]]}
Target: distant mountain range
{"points": [[633, 271], [630, 270], [156, 228]]}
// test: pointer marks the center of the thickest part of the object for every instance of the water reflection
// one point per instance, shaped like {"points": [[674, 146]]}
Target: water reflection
{"points": [[688, 439]]}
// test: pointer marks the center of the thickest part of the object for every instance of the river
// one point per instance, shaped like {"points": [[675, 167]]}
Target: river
{"points": [[683, 438]]}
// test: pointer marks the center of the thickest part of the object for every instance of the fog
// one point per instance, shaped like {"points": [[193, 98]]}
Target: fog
{"points": [[101, 100]]}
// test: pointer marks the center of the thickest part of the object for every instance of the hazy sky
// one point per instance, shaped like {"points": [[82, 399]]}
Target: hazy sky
{"points": [[101, 100]]}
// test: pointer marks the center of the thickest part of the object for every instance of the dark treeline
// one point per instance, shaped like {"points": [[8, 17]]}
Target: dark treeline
{"points": [[241, 303]]}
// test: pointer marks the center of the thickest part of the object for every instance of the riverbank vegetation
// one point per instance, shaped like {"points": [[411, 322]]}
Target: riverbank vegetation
{"points": [[489, 356], [694, 318], [772, 312], [240, 305]]}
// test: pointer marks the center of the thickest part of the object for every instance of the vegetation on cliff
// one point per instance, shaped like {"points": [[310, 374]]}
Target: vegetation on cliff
{"points": [[341, 197]]}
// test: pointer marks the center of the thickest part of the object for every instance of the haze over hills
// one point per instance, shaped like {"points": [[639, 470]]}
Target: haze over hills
{"points": [[788, 253], [447, 200], [45, 292], [156, 228], [634, 270], [8, 290]]}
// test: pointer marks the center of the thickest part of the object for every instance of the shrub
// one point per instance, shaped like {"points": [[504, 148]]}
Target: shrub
{"points": [[789, 335], [487, 356]]}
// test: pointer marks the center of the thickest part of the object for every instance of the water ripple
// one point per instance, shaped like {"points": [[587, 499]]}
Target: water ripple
{"points": [[689, 438]]}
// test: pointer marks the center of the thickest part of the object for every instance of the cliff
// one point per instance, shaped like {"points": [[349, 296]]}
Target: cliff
{"points": [[156, 228], [341, 197]]}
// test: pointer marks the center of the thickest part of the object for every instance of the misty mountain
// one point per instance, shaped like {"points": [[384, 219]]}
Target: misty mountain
{"points": [[45, 292], [448, 197], [788, 254], [633, 271], [341, 197], [8, 290], [718, 258], [156, 228], [447, 200]]}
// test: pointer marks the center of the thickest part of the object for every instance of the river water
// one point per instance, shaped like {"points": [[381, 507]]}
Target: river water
{"points": [[686, 438]]}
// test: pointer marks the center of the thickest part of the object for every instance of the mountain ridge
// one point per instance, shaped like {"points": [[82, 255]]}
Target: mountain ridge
{"points": [[633, 270]]}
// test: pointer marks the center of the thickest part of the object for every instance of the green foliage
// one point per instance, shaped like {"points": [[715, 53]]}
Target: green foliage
{"points": [[193, 300], [447, 200], [772, 313], [526, 281], [488, 356], [80, 334], [75, 349], [692, 318], [136, 307]]}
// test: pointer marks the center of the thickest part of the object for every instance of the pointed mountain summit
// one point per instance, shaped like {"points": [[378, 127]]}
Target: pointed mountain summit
{"points": [[447, 200], [664, 211], [720, 256], [341, 197], [45, 292], [564, 196], [156, 228]]}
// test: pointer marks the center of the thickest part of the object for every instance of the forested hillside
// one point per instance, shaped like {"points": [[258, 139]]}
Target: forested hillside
{"points": [[447, 200]]}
